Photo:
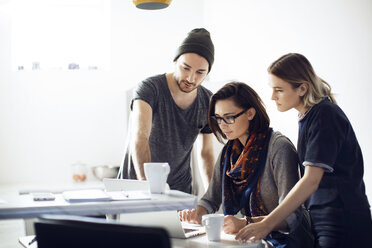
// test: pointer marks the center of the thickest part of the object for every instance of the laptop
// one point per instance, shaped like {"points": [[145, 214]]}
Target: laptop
{"points": [[113, 184], [169, 220]]}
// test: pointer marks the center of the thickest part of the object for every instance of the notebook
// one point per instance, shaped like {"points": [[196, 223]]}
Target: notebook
{"points": [[166, 219]]}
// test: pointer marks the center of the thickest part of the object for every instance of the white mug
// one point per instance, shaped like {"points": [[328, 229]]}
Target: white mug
{"points": [[157, 174], [213, 226]]}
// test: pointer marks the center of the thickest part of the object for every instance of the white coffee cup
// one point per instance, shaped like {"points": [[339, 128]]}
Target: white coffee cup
{"points": [[157, 174], [213, 226]]}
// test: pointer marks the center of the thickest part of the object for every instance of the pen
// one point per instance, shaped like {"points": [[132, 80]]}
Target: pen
{"points": [[32, 241]]}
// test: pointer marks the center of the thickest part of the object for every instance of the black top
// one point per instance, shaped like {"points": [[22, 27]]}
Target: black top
{"points": [[327, 138]]}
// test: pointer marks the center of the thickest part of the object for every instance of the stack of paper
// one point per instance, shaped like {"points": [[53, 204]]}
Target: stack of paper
{"points": [[94, 195], [86, 195]]}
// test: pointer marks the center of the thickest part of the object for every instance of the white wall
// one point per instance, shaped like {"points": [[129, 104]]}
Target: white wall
{"points": [[50, 120], [335, 35]]}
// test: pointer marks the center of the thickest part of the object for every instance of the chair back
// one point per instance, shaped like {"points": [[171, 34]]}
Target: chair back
{"points": [[72, 231]]}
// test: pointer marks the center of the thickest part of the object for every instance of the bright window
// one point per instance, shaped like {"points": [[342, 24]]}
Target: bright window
{"points": [[60, 34]]}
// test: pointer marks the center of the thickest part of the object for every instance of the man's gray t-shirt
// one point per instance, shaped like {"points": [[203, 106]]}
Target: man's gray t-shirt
{"points": [[174, 130]]}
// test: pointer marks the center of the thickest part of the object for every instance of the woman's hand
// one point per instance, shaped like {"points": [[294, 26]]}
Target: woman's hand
{"points": [[192, 216], [254, 232], [233, 224]]}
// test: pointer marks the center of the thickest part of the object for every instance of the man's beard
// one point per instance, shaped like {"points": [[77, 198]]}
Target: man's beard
{"points": [[185, 90]]}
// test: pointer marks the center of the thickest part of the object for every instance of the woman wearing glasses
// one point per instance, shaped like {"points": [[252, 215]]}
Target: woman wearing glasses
{"points": [[256, 168]]}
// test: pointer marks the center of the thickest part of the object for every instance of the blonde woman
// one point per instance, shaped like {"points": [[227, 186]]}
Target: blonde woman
{"points": [[331, 186]]}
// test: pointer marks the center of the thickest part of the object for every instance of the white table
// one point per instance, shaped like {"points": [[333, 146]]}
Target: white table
{"points": [[22, 207], [16, 206]]}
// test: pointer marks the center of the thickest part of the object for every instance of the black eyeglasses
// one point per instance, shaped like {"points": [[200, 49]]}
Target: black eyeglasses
{"points": [[227, 119]]}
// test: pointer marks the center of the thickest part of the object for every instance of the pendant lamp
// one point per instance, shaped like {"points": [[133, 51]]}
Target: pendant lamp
{"points": [[152, 4]]}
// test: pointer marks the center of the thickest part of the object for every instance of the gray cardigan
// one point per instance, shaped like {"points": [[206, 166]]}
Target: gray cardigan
{"points": [[279, 176]]}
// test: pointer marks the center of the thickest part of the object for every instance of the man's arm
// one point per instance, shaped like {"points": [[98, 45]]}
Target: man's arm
{"points": [[207, 155], [141, 129]]}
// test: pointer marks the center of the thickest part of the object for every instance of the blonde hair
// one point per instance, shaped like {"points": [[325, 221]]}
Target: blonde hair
{"points": [[296, 69]]}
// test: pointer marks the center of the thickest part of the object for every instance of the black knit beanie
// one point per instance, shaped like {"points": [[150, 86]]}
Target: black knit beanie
{"points": [[197, 41]]}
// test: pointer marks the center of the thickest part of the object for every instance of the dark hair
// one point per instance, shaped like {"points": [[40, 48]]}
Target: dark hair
{"points": [[244, 97], [296, 69]]}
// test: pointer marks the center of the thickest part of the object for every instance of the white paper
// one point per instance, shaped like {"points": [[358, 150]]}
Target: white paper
{"points": [[86, 195], [100, 195]]}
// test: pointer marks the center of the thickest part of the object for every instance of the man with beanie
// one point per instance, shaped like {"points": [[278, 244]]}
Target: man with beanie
{"points": [[169, 111]]}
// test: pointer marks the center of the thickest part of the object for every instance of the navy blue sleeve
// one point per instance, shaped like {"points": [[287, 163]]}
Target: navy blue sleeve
{"points": [[326, 135]]}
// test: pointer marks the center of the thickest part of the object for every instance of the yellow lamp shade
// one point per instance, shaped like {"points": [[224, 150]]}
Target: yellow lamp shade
{"points": [[152, 4]]}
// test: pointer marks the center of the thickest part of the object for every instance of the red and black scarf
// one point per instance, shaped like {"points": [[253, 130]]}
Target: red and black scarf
{"points": [[241, 169]]}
